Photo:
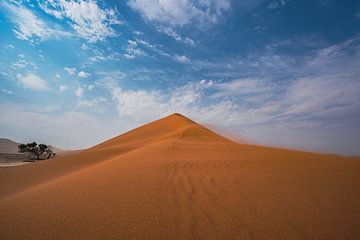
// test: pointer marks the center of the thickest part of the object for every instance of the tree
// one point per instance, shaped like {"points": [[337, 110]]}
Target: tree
{"points": [[36, 151]]}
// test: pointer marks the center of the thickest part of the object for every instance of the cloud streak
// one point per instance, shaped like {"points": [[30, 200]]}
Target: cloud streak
{"points": [[180, 13], [28, 26], [87, 18]]}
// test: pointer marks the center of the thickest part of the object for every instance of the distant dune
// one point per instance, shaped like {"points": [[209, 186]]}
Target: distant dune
{"points": [[8, 146], [175, 179]]}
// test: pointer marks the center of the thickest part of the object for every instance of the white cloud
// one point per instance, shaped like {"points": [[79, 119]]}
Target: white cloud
{"points": [[83, 74], [275, 4], [6, 91], [79, 92], [97, 58], [10, 46], [62, 88], [57, 75], [84, 47], [33, 82], [182, 12], [30, 27], [145, 105], [132, 50], [182, 58], [155, 48], [140, 105], [91, 103], [20, 64], [86, 17], [70, 71], [241, 87], [175, 35]]}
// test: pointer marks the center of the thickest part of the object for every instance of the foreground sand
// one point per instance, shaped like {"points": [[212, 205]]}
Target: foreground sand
{"points": [[173, 179]]}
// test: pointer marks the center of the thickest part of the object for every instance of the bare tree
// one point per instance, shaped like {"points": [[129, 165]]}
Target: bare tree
{"points": [[36, 151]]}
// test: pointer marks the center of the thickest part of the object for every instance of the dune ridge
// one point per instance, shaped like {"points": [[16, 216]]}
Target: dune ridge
{"points": [[174, 179]]}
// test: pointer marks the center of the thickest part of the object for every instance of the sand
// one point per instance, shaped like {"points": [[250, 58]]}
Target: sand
{"points": [[174, 179]]}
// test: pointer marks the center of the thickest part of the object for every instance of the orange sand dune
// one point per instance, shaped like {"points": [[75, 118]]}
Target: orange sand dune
{"points": [[174, 179]]}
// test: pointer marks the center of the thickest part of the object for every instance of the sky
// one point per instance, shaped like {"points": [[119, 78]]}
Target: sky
{"points": [[281, 73]]}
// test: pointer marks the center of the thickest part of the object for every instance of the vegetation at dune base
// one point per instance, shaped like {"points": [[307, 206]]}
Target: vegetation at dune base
{"points": [[36, 151]]}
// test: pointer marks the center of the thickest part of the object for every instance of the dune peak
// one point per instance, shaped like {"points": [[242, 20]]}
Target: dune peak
{"points": [[179, 116]]}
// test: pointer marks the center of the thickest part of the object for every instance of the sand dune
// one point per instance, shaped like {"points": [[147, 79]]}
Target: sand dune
{"points": [[174, 179], [8, 146]]}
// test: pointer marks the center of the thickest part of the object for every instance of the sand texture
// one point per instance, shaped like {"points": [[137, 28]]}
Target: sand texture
{"points": [[174, 179]]}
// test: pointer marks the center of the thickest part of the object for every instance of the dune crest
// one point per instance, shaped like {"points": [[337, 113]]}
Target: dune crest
{"points": [[175, 179]]}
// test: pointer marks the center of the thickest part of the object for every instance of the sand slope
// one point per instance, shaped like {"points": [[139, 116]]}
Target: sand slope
{"points": [[174, 179], [8, 146]]}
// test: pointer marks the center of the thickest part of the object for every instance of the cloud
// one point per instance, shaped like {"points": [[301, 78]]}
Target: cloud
{"points": [[83, 74], [91, 103], [30, 27], [241, 87], [182, 58], [145, 105], [183, 12], [62, 88], [155, 48], [79, 92], [6, 91], [87, 18], [175, 35], [132, 50], [20, 64], [70, 71], [10, 46], [33, 82], [275, 4]]}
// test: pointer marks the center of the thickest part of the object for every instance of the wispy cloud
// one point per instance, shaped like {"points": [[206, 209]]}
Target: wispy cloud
{"points": [[175, 35], [145, 105], [6, 91], [28, 26], [33, 82], [275, 4], [70, 70], [62, 88], [182, 58], [87, 18], [181, 12], [79, 92], [132, 50]]}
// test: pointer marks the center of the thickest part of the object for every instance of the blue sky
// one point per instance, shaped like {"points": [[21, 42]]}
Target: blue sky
{"points": [[278, 72]]}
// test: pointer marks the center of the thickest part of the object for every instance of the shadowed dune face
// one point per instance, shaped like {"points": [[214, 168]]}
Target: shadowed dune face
{"points": [[174, 179]]}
